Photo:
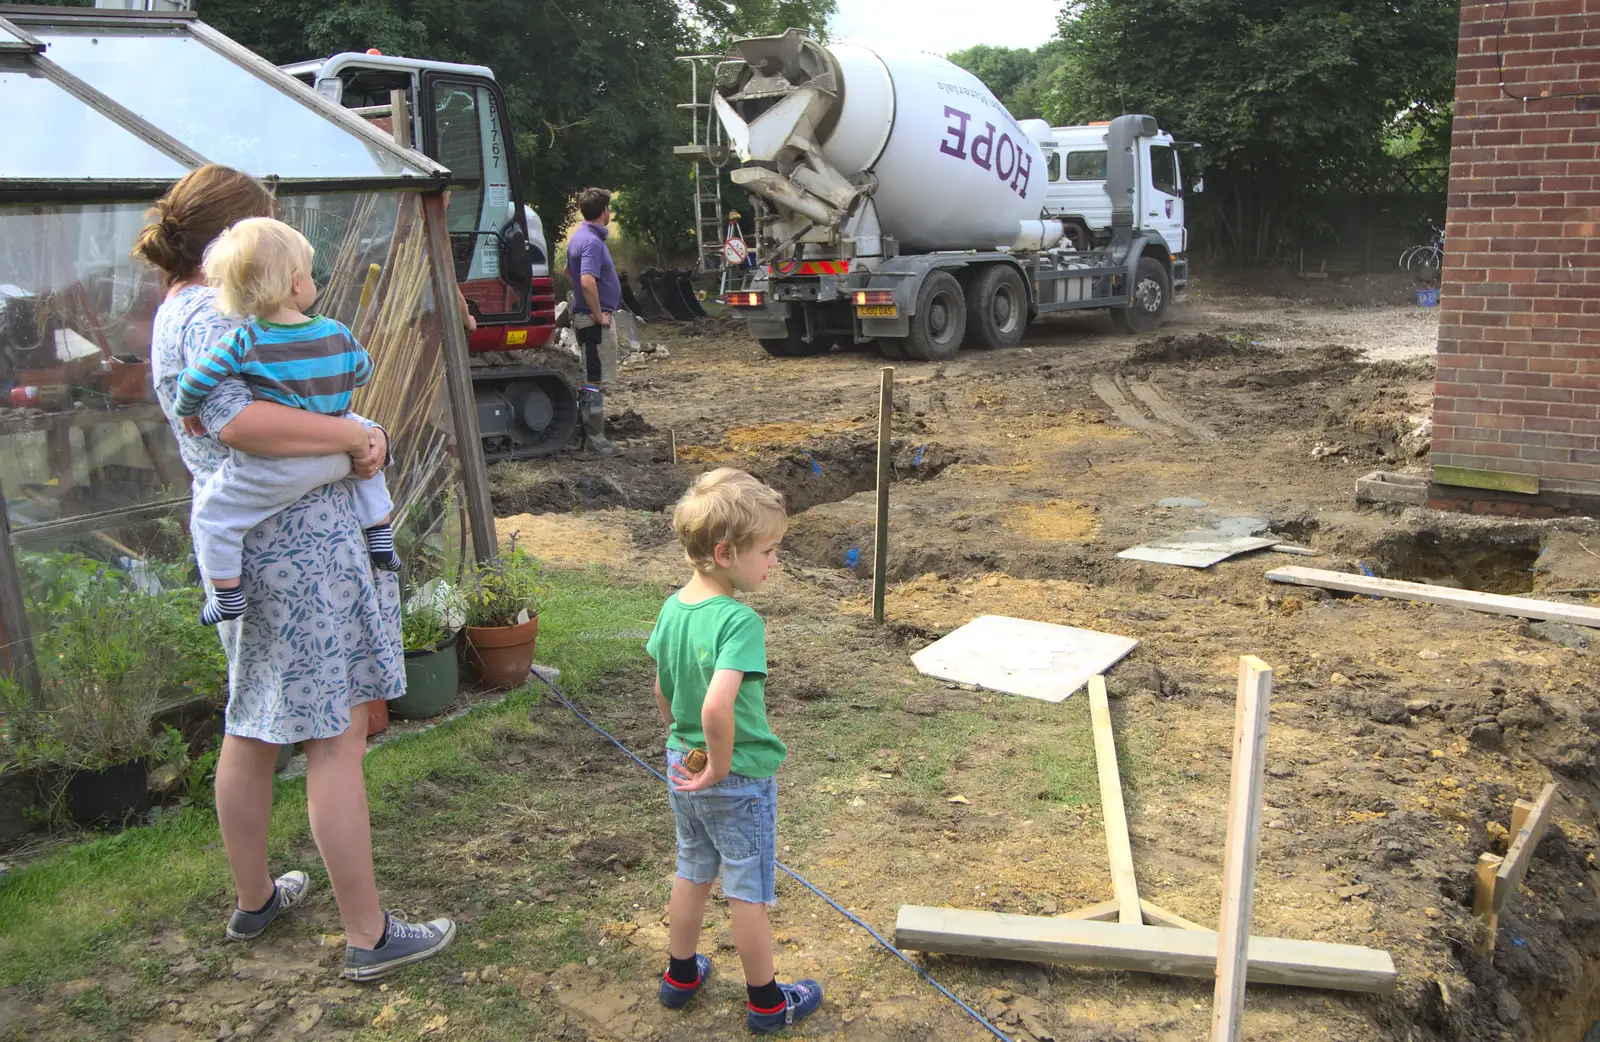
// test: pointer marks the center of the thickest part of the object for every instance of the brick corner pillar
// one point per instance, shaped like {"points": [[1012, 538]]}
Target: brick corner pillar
{"points": [[1517, 397]]}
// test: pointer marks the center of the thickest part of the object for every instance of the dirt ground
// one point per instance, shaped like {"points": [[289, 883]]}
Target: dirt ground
{"points": [[1400, 734]]}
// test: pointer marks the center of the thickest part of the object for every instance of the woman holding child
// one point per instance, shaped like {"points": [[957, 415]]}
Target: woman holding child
{"points": [[321, 635]]}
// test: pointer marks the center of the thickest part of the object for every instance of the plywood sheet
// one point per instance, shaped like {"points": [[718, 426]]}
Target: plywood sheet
{"points": [[1022, 657]]}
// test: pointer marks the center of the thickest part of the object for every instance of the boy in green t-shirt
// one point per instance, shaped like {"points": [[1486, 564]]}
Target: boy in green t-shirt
{"points": [[711, 671]]}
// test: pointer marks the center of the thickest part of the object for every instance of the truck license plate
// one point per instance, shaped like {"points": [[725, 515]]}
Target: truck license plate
{"points": [[876, 310]]}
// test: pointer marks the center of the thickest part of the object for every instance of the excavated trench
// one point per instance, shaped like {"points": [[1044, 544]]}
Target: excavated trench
{"points": [[1499, 560], [826, 471]]}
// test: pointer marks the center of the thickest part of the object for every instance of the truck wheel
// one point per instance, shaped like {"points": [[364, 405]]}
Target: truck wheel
{"points": [[997, 308], [893, 348], [1152, 288], [940, 323]]}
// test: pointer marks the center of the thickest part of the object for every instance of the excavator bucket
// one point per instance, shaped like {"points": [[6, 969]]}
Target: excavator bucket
{"points": [[667, 286], [634, 304]]}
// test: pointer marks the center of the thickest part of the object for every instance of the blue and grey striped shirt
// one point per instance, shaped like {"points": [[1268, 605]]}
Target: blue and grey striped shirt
{"points": [[314, 365]]}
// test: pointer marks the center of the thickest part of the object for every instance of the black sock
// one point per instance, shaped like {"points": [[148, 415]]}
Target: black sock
{"points": [[683, 972], [263, 908], [768, 998]]}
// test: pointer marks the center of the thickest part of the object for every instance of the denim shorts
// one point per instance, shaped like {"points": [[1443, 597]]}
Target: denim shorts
{"points": [[732, 826]]}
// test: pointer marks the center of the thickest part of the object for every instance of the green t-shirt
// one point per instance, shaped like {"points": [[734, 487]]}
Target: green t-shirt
{"points": [[690, 643]]}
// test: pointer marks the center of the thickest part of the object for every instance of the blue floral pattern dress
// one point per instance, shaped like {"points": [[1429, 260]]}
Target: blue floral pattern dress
{"points": [[323, 630]]}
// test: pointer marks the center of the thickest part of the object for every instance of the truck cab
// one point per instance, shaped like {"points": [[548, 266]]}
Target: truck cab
{"points": [[458, 117], [1076, 194]]}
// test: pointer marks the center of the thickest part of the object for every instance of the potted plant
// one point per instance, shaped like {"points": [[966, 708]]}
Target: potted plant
{"points": [[104, 663], [433, 667], [501, 598]]}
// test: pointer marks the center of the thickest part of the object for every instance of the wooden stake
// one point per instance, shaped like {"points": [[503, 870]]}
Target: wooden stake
{"points": [[1483, 900], [14, 631], [1244, 837], [672, 446], [1528, 821], [1120, 851], [458, 380], [880, 536]]}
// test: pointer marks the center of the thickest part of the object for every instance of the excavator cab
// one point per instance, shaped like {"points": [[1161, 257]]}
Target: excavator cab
{"points": [[458, 117]]}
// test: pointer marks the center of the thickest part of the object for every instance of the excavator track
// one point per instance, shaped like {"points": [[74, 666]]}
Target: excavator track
{"points": [[524, 412]]}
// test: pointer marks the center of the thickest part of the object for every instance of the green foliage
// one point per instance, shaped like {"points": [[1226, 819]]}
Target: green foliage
{"points": [[1020, 78], [422, 624], [496, 592], [1290, 100], [110, 654], [591, 88]]}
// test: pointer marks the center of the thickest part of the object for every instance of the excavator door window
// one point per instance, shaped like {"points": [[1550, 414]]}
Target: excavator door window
{"points": [[466, 130]]}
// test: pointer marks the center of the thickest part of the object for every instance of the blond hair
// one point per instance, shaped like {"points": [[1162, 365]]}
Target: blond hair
{"points": [[253, 265], [725, 505]]}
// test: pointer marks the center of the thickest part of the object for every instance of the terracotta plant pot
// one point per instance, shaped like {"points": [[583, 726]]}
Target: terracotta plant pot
{"points": [[111, 796], [501, 657], [377, 717], [130, 382], [432, 680]]}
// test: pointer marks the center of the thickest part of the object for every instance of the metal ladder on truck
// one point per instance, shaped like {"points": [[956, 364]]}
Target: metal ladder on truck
{"points": [[709, 152]]}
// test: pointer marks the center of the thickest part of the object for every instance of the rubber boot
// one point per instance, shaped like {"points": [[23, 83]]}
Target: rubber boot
{"points": [[592, 413]]}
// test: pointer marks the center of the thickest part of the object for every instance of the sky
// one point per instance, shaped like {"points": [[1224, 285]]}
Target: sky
{"points": [[943, 26]]}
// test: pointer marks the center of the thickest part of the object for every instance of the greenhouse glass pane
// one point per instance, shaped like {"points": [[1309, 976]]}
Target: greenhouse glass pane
{"points": [[51, 135], [214, 106]]}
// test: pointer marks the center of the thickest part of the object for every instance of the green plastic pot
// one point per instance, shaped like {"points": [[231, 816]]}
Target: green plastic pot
{"points": [[432, 680]]}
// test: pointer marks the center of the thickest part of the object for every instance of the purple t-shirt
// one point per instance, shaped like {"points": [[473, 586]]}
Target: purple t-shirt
{"points": [[587, 254]]}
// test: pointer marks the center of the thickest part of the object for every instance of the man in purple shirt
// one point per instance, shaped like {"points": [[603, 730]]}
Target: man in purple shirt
{"points": [[596, 293]]}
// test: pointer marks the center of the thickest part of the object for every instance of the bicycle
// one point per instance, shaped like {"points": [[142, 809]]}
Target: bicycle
{"points": [[1427, 257]]}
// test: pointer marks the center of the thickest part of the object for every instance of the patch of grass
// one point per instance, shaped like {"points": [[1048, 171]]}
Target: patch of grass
{"points": [[63, 917]]}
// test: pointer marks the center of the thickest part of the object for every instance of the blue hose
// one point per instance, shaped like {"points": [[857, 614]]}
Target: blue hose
{"points": [[797, 877]]}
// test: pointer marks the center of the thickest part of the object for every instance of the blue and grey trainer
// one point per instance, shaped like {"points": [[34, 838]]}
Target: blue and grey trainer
{"points": [[403, 944], [800, 1000], [677, 996], [288, 890]]}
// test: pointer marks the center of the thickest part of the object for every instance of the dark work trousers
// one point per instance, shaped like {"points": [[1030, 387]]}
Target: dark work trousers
{"points": [[590, 339]]}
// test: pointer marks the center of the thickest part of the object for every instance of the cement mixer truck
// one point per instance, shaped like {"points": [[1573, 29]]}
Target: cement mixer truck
{"points": [[900, 203]]}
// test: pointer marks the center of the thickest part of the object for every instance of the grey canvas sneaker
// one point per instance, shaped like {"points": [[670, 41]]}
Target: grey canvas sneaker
{"points": [[288, 891], [403, 944]]}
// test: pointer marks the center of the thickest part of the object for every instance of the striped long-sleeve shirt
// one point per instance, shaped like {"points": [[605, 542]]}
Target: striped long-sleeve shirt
{"points": [[314, 365]]}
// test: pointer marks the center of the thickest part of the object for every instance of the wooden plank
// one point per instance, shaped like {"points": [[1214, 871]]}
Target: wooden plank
{"points": [[1155, 915], [1494, 603], [1118, 848], [880, 532], [52, 531], [458, 380], [1143, 949], [1102, 912], [1497, 480], [1520, 854], [1483, 899], [1244, 838]]}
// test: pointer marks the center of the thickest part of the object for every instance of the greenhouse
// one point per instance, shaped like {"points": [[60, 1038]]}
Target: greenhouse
{"points": [[94, 542]]}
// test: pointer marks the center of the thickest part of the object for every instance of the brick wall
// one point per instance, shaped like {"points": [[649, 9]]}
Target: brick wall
{"points": [[1518, 387]]}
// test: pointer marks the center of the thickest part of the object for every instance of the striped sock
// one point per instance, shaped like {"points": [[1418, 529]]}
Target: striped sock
{"points": [[223, 605], [380, 547]]}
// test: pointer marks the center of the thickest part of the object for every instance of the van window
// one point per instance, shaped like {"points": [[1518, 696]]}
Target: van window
{"points": [[1055, 166], [1164, 168], [1086, 166]]}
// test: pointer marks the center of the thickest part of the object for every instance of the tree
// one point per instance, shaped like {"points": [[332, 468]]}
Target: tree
{"points": [[1020, 78], [591, 88], [1290, 99]]}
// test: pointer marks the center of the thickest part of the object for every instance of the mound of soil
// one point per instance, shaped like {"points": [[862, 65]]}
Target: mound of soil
{"points": [[1180, 349]]}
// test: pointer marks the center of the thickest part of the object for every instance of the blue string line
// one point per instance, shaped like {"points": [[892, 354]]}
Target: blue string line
{"points": [[797, 877]]}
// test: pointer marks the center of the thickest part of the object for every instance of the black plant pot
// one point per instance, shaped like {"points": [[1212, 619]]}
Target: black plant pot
{"points": [[111, 796], [19, 797]]}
